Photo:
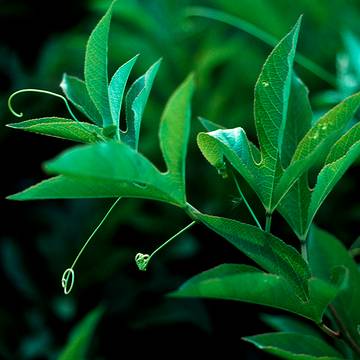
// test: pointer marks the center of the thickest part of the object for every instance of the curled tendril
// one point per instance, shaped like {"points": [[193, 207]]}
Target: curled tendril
{"points": [[68, 275], [142, 261], [19, 115]]}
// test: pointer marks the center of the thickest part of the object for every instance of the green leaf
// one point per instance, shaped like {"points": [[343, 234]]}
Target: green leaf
{"points": [[246, 283], [286, 323], [136, 99], [96, 73], [342, 155], [116, 164], [64, 187], [352, 45], [61, 128], [265, 249], [116, 91], [209, 125], [272, 91], [174, 132], [299, 118], [262, 169], [317, 142], [294, 346], [295, 203], [81, 336], [325, 254], [76, 91]]}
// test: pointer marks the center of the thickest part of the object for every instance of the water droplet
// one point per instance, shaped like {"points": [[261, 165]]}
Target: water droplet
{"points": [[265, 83], [323, 126]]}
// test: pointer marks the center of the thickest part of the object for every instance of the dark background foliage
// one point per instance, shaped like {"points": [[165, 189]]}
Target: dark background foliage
{"points": [[38, 240]]}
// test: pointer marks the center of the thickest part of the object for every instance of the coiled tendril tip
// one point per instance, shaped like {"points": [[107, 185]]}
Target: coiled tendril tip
{"points": [[142, 261], [68, 275]]}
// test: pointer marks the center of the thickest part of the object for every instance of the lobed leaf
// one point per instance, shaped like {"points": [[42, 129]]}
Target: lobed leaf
{"points": [[248, 284], [136, 99], [115, 162], [61, 128], [293, 346], [75, 90]]}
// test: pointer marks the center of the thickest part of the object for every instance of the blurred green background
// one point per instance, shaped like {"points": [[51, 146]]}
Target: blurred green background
{"points": [[38, 240]]}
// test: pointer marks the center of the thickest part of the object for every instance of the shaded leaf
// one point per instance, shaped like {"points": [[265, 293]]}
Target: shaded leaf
{"points": [[286, 323], [342, 155], [294, 346], [246, 283], [81, 336], [174, 132], [75, 90], [116, 91], [317, 142], [136, 99], [265, 249], [96, 73], [325, 254], [209, 125], [61, 128]]}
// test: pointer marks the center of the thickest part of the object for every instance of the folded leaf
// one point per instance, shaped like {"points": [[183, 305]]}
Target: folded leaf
{"points": [[96, 75], [268, 251], [61, 128], [136, 99], [174, 132], [325, 253], [75, 90], [234, 145], [116, 91], [80, 339], [294, 346], [248, 284]]}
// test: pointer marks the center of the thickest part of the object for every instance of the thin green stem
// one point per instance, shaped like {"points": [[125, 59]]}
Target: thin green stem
{"points": [[268, 222], [142, 260], [213, 14], [53, 94], [69, 273], [304, 252], [244, 199]]}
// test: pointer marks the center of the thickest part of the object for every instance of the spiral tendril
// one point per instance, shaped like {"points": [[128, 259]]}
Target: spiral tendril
{"points": [[68, 275], [19, 115], [142, 261]]}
